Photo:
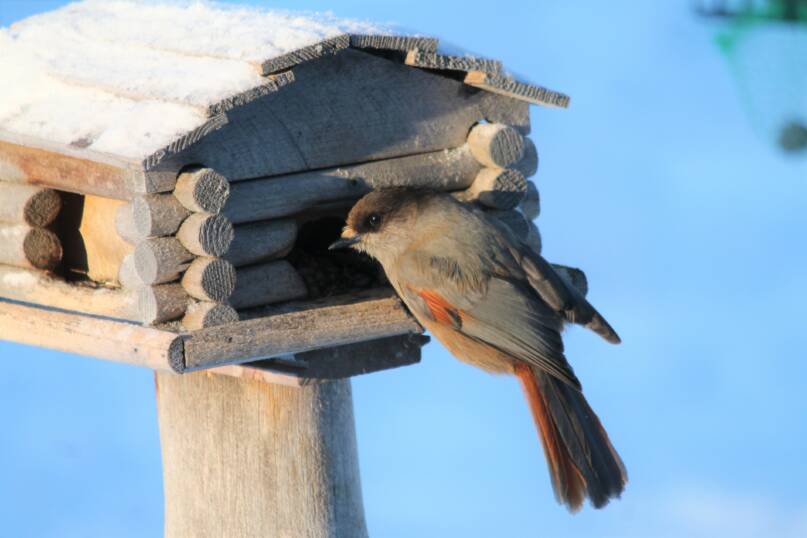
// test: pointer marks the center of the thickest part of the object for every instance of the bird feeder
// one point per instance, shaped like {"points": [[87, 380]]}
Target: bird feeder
{"points": [[765, 46], [166, 201]]}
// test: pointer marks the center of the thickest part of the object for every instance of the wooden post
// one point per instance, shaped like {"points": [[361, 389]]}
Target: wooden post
{"points": [[242, 457]]}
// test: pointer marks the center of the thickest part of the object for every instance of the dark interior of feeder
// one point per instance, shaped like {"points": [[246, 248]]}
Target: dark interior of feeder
{"points": [[331, 272]]}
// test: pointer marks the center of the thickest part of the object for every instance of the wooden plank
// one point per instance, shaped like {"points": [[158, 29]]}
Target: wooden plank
{"points": [[271, 84], [325, 47], [87, 335], [518, 90], [433, 60], [243, 458], [298, 331], [338, 362], [347, 108], [29, 160], [272, 197], [393, 42], [103, 247], [38, 287]]}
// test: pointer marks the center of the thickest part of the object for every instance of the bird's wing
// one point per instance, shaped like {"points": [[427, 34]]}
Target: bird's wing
{"points": [[515, 260], [502, 313]]}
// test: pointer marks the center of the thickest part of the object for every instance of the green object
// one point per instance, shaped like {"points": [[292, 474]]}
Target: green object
{"points": [[766, 50]]}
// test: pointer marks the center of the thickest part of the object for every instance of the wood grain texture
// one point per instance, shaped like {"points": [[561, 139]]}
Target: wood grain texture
{"points": [[157, 215], [272, 197], [518, 90], [393, 42], [204, 234], [433, 60], [496, 145], [30, 160], [347, 108], [261, 241], [25, 246], [303, 329], [340, 362], [127, 274], [28, 204], [92, 336], [496, 188], [248, 459], [207, 314], [160, 304], [325, 47], [32, 286], [267, 283], [105, 249], [161, 259], [209, 279], [202, 190]]}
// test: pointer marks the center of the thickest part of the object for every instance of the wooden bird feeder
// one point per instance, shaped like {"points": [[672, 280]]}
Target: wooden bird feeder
{"points": [[207, 253]]}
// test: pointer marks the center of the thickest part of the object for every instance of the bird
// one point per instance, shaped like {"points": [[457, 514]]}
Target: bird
{"points": [[496, 304]]}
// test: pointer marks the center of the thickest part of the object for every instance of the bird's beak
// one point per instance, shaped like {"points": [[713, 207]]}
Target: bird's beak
{"points": [[345, 242]]}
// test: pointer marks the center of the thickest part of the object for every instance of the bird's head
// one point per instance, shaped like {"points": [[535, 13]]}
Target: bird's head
{"points": [[383, 223]]}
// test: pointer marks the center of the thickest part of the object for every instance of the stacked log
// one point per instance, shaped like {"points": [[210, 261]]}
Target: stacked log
{"points": [[176, 268], [25, 213]]}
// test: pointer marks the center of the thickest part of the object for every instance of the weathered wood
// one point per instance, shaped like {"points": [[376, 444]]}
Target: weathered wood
{"points": [[158, 304], [326, 47], [124, 224], [161, 259], [528, 164], [261, 241], [104, 248], [202, 190], [267, 283], [339, 362], [92, 336], [206, 314], [28, 204], [271, 83], [496, 145], [497, 108], [310, 327], [157, 215], [393, 42], [326, 119], [244, 458], [30, 160], [209, 279], [272, 197], [433, 60], [531, 203], [127, 274], [497, 188], [206, 235], [32, 286], [25, 246], [518, 90], [574, 277]]}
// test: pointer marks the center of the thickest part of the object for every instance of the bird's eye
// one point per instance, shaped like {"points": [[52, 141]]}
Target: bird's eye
{"points": [[373, 220]]}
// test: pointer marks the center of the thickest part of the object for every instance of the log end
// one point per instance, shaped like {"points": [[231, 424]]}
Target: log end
{"points": [[42, 208], [42, 248]]}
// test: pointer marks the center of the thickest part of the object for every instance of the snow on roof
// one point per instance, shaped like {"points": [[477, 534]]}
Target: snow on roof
{"points": [[128, 77]]}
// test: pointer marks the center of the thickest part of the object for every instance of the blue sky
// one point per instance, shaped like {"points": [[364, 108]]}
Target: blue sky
{"points": [[691, 227]]}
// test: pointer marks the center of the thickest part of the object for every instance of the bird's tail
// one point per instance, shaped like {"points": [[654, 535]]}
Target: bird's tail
{"points": [[582, 462]]}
